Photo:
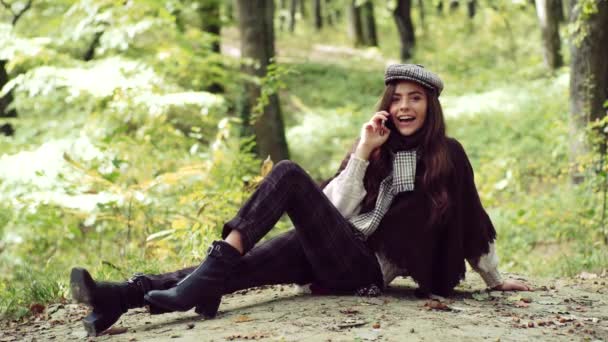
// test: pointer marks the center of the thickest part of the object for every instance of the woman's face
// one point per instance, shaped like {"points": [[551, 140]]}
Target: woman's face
{"points": [[408, 107]]}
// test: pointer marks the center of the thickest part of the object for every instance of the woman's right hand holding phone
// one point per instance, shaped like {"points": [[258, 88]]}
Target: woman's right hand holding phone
{"points": [[373, 134]]}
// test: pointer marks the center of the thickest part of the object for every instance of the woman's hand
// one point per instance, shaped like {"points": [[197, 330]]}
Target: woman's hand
{"points": [[512, 285], [373, 134]]}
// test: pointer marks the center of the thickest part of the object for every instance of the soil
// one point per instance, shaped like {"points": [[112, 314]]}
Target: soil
{"points": [[562, 309]]}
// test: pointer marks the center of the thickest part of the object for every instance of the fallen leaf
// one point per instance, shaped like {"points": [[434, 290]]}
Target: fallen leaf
{"points": [[242, 319], [36, 308], [349, 311], [116, 331], [436, 305], [521, 304]]}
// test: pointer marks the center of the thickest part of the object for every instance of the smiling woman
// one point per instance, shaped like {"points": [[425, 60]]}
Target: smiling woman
{"points": [[404, 203]]}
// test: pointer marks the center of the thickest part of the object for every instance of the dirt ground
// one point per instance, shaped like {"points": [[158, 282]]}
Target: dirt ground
{"points": [[558, 310]]}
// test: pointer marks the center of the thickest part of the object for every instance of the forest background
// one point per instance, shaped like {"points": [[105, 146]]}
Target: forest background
{"points": [[131, 130]]}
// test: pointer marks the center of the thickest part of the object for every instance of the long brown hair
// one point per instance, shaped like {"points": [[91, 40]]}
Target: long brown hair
{"points": [[434, 155]]}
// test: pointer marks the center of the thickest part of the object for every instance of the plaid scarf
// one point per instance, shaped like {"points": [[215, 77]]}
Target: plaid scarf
{"points": [[400, 180]]}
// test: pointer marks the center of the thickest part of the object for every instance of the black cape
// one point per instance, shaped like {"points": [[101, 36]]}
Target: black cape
{"points": [[434, 255]]}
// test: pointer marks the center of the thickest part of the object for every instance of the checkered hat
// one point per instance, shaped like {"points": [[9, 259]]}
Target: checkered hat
{"points": [[415, 73]]}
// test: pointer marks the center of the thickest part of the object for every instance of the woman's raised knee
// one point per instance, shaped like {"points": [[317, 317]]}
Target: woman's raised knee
{"points": [[288, 167]]}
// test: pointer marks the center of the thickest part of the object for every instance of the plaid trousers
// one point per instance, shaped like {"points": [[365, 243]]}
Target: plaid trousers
{"points": [[323, 248]]}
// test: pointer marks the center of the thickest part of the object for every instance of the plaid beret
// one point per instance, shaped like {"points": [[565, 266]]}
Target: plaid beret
{"points": [[415, 73]]}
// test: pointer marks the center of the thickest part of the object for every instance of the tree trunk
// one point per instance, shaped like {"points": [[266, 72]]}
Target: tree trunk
{"points": [[356, 26], [5, 101], [282, 15], [422, 13], [303, 11], [403, 19], [90, 53], [588, 77], [229, 8], [439, 7], [292, 15], [548, 12], [318, 14], [471, 8], [209, 12], [329, 13], [454, 5], [369, 21], [257, 43], [559, 11]]}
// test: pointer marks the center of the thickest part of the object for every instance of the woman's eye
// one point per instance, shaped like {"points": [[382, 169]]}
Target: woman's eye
{"points": [[416, 98], [395, 99]]}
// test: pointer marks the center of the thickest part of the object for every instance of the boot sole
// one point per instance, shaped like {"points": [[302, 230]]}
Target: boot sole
{"points": [[95, 323], [208, 309]]}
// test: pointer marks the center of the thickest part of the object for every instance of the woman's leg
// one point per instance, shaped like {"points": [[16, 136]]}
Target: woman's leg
{"points": [[338, 257], [280, 260]]}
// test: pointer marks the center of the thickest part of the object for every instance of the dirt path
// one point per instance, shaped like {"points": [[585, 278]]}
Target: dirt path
{"points": [[559, 310]]}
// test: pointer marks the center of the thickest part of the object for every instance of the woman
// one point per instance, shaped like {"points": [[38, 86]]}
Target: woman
{"points": [[404, 202]]}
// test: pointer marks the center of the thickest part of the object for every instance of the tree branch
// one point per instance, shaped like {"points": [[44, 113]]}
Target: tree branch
{"points": [[16, 16], [7, 6]]}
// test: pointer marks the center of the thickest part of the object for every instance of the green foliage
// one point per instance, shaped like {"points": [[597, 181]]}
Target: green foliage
{"points": [[121, 164], [269, 85]]}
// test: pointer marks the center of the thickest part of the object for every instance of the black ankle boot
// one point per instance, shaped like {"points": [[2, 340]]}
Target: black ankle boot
{"points": [[203, 287], [108, 300]]}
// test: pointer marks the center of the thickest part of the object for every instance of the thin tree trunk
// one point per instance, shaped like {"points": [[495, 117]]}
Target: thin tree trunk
{"points": [[547, 12], [559, 11], [454, 5], [471, 8], [369, 20], [318, 13], [403, 19], [356, 26], [588, 78], [229, 8], [329, 13], [5, 101], [303, 11], [282, 15], [90, 53], [209, 12], [422, 12], [292, 15], [439, 7], [257, 44]]}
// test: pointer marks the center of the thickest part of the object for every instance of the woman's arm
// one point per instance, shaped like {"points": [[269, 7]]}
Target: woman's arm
{"points": [[487, 267], [477, 239], [346, 191]]}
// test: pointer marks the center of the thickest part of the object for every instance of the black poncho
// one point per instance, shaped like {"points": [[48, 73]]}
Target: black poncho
{"points": [[434, 255]]}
